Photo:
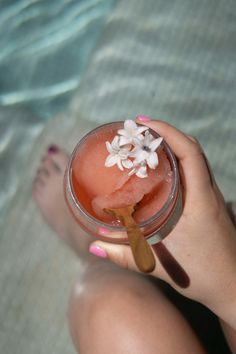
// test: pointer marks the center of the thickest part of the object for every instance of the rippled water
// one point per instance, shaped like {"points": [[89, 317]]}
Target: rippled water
{"points": [[45, 48]]}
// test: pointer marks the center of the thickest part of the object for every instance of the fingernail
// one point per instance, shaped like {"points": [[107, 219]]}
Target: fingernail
{"points": [[143, 118], [97, 251], [53, 149], [103, 231]]}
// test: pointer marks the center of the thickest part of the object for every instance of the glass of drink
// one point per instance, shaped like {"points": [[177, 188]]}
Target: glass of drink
{"points": [[90, 186]]}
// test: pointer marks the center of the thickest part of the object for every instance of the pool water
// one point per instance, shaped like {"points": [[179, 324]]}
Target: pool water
{"points": [[45, 48]]}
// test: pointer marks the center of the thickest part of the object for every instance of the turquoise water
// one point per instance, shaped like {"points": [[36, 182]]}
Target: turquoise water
{"points": [[45, 48]]}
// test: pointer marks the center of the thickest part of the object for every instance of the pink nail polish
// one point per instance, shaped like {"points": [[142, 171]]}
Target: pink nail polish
{"points": [[103, 231], [143, 118], [97, 251]]}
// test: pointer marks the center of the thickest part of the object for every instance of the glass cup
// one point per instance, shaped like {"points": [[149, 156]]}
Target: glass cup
{"points": [[154, 229]]}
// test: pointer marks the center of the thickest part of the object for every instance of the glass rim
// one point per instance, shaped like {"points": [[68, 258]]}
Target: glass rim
{"points": [[117, 228]]}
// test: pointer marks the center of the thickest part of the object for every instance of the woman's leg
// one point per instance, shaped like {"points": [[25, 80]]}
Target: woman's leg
{"points": [[111, 310], [117, 311]]}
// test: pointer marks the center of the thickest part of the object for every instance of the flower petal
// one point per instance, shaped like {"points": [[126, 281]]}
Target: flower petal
{"points": [[123, 154], [111, 160], [140, 156], [123, 132], [148, 138], [109, 147], [130, 126], [132, 172], [138, 142], [155, 143], [115, 143], [124, 140], [134, 152], [119, 164], [140, 130], [152, 160], [127, 163], [142, 172]]}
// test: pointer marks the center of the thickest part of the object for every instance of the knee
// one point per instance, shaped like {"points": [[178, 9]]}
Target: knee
{"points": [[121, 312], [94, 297], [102, 307]]}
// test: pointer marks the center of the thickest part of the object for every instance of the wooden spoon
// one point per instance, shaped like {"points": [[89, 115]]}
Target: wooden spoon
{"points": [[141, 250]]}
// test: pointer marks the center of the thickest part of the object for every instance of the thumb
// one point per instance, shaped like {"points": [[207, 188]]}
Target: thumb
{"points": [[118, 254]]}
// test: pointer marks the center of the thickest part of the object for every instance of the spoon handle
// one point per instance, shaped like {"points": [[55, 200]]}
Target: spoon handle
{"points": [[141, 250]]}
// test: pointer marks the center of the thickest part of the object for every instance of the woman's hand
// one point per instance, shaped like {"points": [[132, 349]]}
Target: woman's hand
{"points": [[204, 240]]}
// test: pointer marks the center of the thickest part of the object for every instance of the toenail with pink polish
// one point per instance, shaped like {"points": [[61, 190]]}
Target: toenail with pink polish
{"points": [[53, 149]]}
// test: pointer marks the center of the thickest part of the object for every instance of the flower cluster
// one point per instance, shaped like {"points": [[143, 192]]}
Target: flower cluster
{"points": [[133, 148]]}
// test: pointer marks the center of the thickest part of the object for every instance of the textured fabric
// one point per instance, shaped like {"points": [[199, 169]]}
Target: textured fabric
{"points": [[173, 60]]}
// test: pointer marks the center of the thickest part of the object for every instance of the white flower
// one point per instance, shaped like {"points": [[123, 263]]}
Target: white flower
{"points": [[142, 156], [140, 170], [118, 155], [145, 151], [130, 133]]}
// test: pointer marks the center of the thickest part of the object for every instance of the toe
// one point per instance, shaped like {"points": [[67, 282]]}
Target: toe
{"points": [[59, 158], [38, 187], [42, 175], [39, 182], [43, 172], [49, 166]]}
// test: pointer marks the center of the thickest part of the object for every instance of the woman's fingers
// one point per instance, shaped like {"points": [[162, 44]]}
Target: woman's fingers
{"points": [[118, 254], [195, 172], [167, 267]]}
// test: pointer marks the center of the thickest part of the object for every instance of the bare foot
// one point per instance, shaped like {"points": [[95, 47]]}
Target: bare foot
{"points": [[48, 194]]}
